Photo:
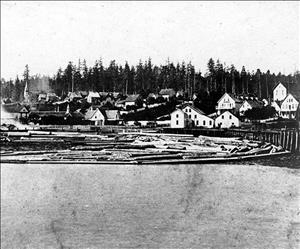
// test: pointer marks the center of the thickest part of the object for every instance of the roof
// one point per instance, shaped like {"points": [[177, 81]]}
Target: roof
{"points": [[152, 95], [112, 114], [213, 115], [14, 108], [74, 95], [78, 114], [103, 94], [116, 94], [278, 83], [176, 110], [288, 95], [167, 91], [60, 102], [49, 113], [90, 113], [94, 95], [255, 103], [132, 98], [83, 93], [51, 94], [235, 98], [226, 113], [193, 107], [119, 102]]}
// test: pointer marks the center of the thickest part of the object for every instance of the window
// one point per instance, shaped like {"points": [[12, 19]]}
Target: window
{"points": [[222, 116], [209, 122], [190, 110], [230, 116], [190, 115], [203, 122], [176, 122], [177, 115], [197, 122], [195, 116]]}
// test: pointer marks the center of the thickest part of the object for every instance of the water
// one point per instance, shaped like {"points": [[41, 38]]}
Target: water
{"points": [[170, 206]]}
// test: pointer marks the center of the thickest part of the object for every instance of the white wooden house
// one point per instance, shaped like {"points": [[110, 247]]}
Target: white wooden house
{"points": [[95, 116], [227, 120], [131, 100], [279, 92], [198, 117], [228, 103], [167, 93], [179, 119], [42, 97], [92, 97], [289, 107]]}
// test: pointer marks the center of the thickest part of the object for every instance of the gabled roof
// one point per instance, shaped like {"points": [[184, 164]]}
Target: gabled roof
{"points": [[288, 95], [227, 112], [103, 94], [116, 94], [234, 98], [132, 98], [278, 83], [74, 95], [176, 110], [167, 91], [14, 108], [93, 94], [254, 103], [90, 113], [193, 107]]}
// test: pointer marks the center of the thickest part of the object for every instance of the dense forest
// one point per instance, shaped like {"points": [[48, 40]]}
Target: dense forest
{"points": [[146, 77]]}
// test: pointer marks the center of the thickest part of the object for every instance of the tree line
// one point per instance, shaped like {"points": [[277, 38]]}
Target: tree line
{"points": [[145, 77]]}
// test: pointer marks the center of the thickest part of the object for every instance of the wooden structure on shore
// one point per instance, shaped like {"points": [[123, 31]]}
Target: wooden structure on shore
{"points": [[289, 139]]}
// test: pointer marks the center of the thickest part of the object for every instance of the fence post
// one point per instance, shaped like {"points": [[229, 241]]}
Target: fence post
{"points": [[297, 141]]}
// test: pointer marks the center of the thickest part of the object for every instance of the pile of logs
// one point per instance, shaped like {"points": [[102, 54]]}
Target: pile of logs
{"points": [[135, 148]]}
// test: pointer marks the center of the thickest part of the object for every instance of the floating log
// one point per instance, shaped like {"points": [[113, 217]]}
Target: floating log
{"points": [[155, 157], [214, 159]]}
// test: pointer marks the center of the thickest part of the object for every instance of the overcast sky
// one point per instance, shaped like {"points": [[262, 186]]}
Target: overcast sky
{"points": [[46, 35]]}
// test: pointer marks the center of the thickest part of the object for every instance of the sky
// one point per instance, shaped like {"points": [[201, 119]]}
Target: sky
{"points": [[47, 35]]}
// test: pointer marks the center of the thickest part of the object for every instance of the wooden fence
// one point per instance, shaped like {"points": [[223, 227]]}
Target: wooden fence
{"points": [[289, 139]]}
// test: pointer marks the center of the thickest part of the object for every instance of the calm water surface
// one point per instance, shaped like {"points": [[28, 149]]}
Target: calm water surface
{"points": [[170, 206]]}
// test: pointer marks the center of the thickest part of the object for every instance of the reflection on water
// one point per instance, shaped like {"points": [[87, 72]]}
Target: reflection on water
{"points": [[174, 206]]}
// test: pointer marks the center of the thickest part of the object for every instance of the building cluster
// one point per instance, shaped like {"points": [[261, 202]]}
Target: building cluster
{"points": [[108, 108], [230, 110]]}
